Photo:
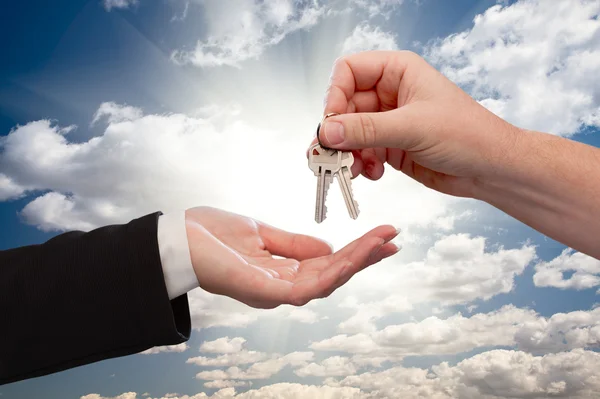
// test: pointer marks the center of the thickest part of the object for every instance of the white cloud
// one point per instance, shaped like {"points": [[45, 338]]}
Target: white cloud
{"points": [[367, 313], [223, 345], [331, 367], [208, 310], [560, 332], [115, 113], [231, 352], [490, 375], [126, 395], [168, 348], [494, 374], [168, 163], [240, 30], [457, 269], [366, 37], [259, 370], [586, 271], [303, 315], [379, 7], [118, 4], [114, 177], [299, 391], [220, 384], [230, 359], [458, 334], [532, 64], [8, 188]]}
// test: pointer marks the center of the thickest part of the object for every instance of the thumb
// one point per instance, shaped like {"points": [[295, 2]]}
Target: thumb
{"points": [[390, 129]]}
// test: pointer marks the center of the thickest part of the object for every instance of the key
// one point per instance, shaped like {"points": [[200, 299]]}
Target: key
{"points": [[321, 162], [325, 164], [344, 177]]}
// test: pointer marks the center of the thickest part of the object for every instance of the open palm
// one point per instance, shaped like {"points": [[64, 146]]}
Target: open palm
{"points": [[265, 267]]}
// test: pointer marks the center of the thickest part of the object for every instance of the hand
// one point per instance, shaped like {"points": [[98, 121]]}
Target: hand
{"points": [[233, 255], [400, 110]]}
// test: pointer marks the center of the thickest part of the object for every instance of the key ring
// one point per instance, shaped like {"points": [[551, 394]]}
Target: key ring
{"points": [[319, 128]]}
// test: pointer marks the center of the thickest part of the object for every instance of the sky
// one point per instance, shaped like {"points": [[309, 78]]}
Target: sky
{"points": [[113, 109]]}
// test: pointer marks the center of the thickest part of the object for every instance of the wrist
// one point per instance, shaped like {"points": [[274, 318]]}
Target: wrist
{"points": [[511, 161]]}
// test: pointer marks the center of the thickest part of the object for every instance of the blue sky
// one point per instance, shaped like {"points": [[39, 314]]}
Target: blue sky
{"points": [[70, 61]]}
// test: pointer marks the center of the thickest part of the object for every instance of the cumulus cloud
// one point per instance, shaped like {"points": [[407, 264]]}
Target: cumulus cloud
{"points": [[115, 113], [494, 374], [378, 7], [521, 328], [560, 332], [280, 390], [230, 359], [168, 348], [332, 366], [223, 345], [457, 269], [231, 352], [259, 370], [220, 384], [366, 37], [585, 271], [368, 312], [303, 315], [118, 4], [9, 189], [143, 163], [240, 30], [490, 375], [531, 64], [135, 167], [208, 310]]}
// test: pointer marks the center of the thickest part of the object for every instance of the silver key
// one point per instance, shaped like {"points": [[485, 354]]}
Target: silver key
{"points": [[344, 177], [325, 164], [321, 163]]}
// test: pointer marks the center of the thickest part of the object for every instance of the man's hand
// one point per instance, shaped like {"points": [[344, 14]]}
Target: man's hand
{"points": [[234, 256], [395, 108]]}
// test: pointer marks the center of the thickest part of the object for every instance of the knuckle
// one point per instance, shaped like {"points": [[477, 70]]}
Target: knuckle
{"points": [[337, 64], [410, 55], [298, 301], [340, 60], [367, 130]]}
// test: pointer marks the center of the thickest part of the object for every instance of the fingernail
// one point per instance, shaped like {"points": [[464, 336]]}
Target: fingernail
{"points": [[398, 230], [334, 133]]}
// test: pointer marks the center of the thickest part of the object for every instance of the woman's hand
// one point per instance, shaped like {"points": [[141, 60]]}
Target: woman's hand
{"points": [[234, 255]]}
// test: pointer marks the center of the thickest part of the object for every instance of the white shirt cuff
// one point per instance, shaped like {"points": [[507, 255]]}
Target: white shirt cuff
{"points": [[180, 277]]}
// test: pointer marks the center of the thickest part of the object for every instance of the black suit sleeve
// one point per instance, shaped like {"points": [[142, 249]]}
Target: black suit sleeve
{"points": [[84, 297]]}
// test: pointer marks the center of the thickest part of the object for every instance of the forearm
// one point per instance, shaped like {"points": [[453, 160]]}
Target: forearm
{"points": [[99, 295], [551, 184]]}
